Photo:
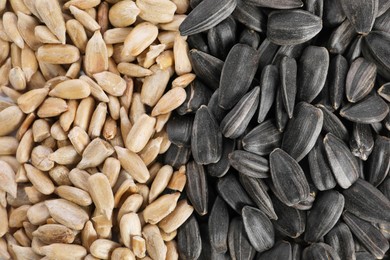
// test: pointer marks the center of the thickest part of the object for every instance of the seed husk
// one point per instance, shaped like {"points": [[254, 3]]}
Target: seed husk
{"points": [[222, 37], [332, 124], [379, 165], [189, 240], [249, 164], [177, 155], [361, 14], [319, 251], [340, 238], [338, 69], [218, 112], [288, 81], [281, 4], [238, 241], [250, 16], [179, 130], [197, 187], [220, 168], [218, 225], [197, 94], [362, 141], [207, 67], [280, 112], [269, 81], [341, 37], [376, 54]]}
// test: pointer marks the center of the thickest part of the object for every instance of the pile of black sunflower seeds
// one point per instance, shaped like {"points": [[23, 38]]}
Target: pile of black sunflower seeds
{"points": [[285, 131]]}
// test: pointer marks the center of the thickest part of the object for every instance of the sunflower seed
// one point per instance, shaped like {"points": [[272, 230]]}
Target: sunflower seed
{"points": [[269, 81], [197, 94], [341, 37], [206, 15], [312, 72], [239, 245], [290, 221], [197, 188], [340, 238], [376, 49], [332, 124], [249, 164], [385, 187], [237, 74], [281, 4], [280, 113], [198, 42], [333, 13], [281, 250], [320, 171], [250, 37], [188, 240], [320, 251], [222, 37], [384, 91], [370, 110], [337, 74], [236, 121], [362, 141], [179, 130], [367, 234], [304, 24], [233, 193], [379, 162], [207, 67], [307, 123], [266, 52], [292, 51], [363, 255], [367, 202], [218, 225], [288, 81], [220, 168], [382, 22], [324, 214], [177, 155], [288, 178], [258, 228], [361, 14], [251, 17]]}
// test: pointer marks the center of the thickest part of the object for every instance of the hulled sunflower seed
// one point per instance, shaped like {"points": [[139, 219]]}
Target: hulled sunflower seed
{"points": [[249, 164], [340, 238], [379, 164], [197, 187]]}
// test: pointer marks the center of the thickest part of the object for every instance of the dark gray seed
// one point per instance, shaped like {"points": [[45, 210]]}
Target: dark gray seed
{"points": [[306, 204], [302, 130], [262, 139], [250, 16], [332, 124], [341, 37], [361, 13], [376, 48], [194, 3], [385, 187], [221, 167], [370, 237], [206, 67], [269, 82], [281, 250], [377, 127], [257, 191], [292, 27], [237, 74], [324, 214], [218, 112], [292, 51], [382, 23], [288, 83], [360, 79], [197, 188], [258, 228], [236, 121], [197, 95], [362, 141], [296, 251], [320, 171], [250, 37], [206, 15], [344, 165], [291, 222], [367, 202], [189, 242], [379, 161], [333, 13], [199, 42], [386, 121], [384, 228], [280, 113], [288, 178], [179, 129], [383, 6], [239, 246], [266, 52], [222, 37], [232, 192], [218, 225], [177, 156], [276, 4], [206, 138], [312, 72], [340, 238], [355, 50], [320, 251], [371, 109], [337, 74], [363, 255], [315, 7], [384, 91], [249, 164]]}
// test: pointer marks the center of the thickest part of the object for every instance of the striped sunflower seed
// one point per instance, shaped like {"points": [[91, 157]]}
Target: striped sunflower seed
{"points": [[281, 250], [370, 237], [250, 16], [362, 141], [189, 240], [361, 14], [249, 164], [340, 238], [338, 69], [307, 124], [320, 251], [222, 37], [288, 83], [197, 95], [333, 13], [239, 245], [379, 161], [197, 187], [332, 124], [384, 91], [280, 112], [269, 81], [324, 214], [267, 51], [250, 37], [288, 178], [375, 49], [218, 112], [177, 155], [341, 37], [179, 130], [280, 4], [304, 24], [220, 168], [218, 225]]}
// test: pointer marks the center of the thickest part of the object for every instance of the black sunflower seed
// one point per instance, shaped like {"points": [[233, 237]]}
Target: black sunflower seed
{"points": [[197, 95], [319, 251], [337, 74], [370, 237], [312, 72], [266, 52], [382, 23], [278, 4], [207, 67], [269, 82], [250, 16], [340, 238], [362, 141], [341, 37], [280, 113], [250, 37], [379, 162], [333, 13], [222, 37], [376, 48], [218, 112], [281, 24], [281, 250], [385, 187], [344, 165], [189, 241], [258, 228], [221, 167], [361, 13], [302, 130], [239, 245], [383, 6], [218, 225], [332, 124], [288, 178], [198, 41], [363, 255], [197, 187], [237, 74], [206, 138], [367, 202], [384, 91], [249, 164], [288, 83], [177, 156], [296, 251], [355, 50], [179, 130], [206, 15], [315, 7], [324, 214], [292, 51]]}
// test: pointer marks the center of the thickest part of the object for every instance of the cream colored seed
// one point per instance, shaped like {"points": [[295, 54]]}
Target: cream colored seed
{"points": [[65, 156], [174, 24], [64, 251], [67, 118], [96, 91], [71, 89], [7, 179], [174, 220], [151, 150], [50, 13], [137, 108], [21, 237], [97, 120], [101, 248], [74, 70], [44, 35], [88, 235], [31, 100], [40, 181], [84, 18], [123, 13], [156, 12], [139, 39], [172, 250], [131, 204], [122, 253], [58, 54], [109, 129], [111, 83], [155, 246], [152, 54], [60, 175], [95, 153], [11, 29], [25, 147], [29, 63], [111, 169], [17, 78], [9, 145], [116, 35], [40, 158], [26, 27], [160, 208], [160, 182], [154, 86], [57, 132], [181, 54], [140, 133], [129, 226], [54, 233], [183, 80], [168, 236], [82, 4], [133, 70], [10, 120], [133, 164], [84, 113], [114, 107], [11, 93], [75, 195], [52, 107], [170, 101], [96, 55], [101, 194]]}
